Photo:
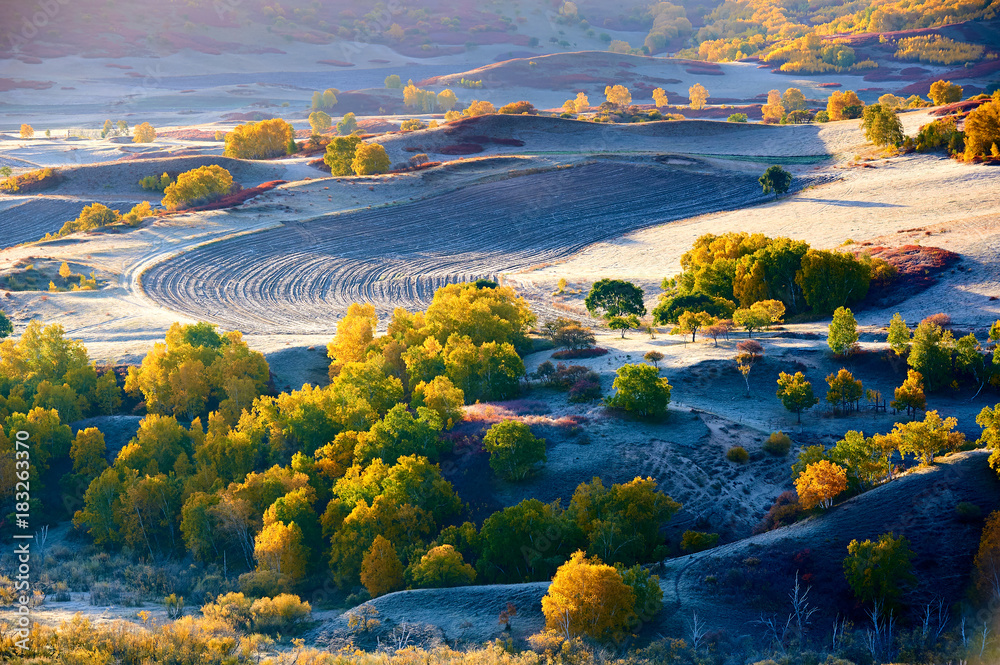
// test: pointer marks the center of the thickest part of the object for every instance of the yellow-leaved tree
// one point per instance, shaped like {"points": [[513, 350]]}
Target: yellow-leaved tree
{"points": [[446, 99], [143, 133], [774, 108], [27, 131], [820, 483], [590, 598], [697, 94], [618, 95], [660, 97], [381, 570], [278, 548], [259, 140], [201, 185], [354, 333], [369, 159]]}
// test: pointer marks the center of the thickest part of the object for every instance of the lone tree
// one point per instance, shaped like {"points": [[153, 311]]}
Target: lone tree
{"points": [[878, 572], [624, 323], [796, 393], [775, 179], [514, 450], [369, 159], [615, 297], [640, 390], [27, 131], [143, 133], [910, 396], [589, 598], [748, 352], [698, 95], [945, 92], [654, 357], [319, 121], [347, 125], [842, 336], [881, 126], [393, 81]]}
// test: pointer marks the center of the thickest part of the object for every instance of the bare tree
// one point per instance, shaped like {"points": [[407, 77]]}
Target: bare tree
{"points": [[879, 637], [802, 609], [698, 631]]}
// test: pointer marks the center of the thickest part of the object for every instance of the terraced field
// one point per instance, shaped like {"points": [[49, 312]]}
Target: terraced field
{"points": [[301, 276]]}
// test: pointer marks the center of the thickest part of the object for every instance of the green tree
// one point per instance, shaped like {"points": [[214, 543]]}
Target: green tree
{"points": [[615, 297], [927, 438], [844, 389], [393, 81], [793, 100], [640, 390], [347, 125], [623, 323], [319, 121], [833, 279], [796, 393], [526, 542], [514, 450], [842, 335], [880, 571], [970, 361], [775, 179], [340, 155], [867, 461], [399, 434], [369, 159], [692, 322], [931, 354], [898, 338], [882, 126], [442, 567]]}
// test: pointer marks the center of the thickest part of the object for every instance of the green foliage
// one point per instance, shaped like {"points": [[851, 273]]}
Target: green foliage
{"points": [[778, 444], [879, 571], [669, 310], [737, 117], [931, 354], [324, 100], [796, 394], [882, 126], [156, 184], [526, 542], [393, 81], [775, 179], [808, 455], [340, 155], [441, 567], [348, 125], [842, 335], [514, 450], [370, 159], [738, 454], [698, 541], [868, 460], [833, 279], [615, 297], [399, 434], [319, 122], [640, 390], [898, 338]]}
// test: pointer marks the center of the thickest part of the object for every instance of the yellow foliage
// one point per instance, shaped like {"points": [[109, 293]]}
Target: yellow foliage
{"points": [[278, 548], [697, 94], [354, 333], [820, 483], [773, 110], [618, 95], [381, 570], [144, 133], [27, 131], [198, 186], [479, 108], [937, 49], [945, 92], [660, 97], [987, 562], [259, 140], [982, 130], [841, 100], [589, 598]]}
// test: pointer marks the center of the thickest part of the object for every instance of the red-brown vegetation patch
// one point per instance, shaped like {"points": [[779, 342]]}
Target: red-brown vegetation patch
{"points": [[335, 63], [236, 198], [918, 269], [914, 73], [117, 65], [320, 164], [830, 85], [416, 167], [460, 149], [959, 108], [979, 70], [7, 85]]}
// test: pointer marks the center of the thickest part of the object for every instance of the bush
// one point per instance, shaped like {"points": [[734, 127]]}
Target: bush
{"points": [[940, 319], [785, 510], [738, 454], [968, 512], [282, 614], [143, 133], [259, 140], [737, 117], [198, 186], [514, 450], [412, 124], [518, 108], [778, 444], [370, 159], [640, 390], [697, 541], [585, 390]]}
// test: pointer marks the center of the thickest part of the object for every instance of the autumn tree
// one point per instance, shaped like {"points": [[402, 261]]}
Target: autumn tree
{"points": [[820, 483], [761, 314], [793, 100], [881, 126], [945, 92], [441, 396], [355, 332], [369, 159], [833, 279], [844, 389], [982, 130], [381, 570], [928, 437], [27, 131], [618, 95], [198, 186], [774, 110], [615, 297], [479, 107], [691, 322], [589, 598], [844, 105], [581, 103], [879, 571], [898, 338], [623, 323], [442, 567], [989, 420], [910, 395], [640, 390], [868, 460], [842, 335], [514, 450], [748, 353], [775, 179], [986, 576], [660, 98], [88, 452], [796, 393], [526, 542], [446, 100], [698, 96], [573, 336], [278, 548], [340, 155], [320, 122], [259, 140]]}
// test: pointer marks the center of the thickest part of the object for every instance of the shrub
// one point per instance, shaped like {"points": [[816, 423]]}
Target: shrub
{"points": [[940, 319], [778, 444], [640, 390], [259, 140], [518, 108], [738, 454], [282, 614], [412, 124], [737, 117], [570, 354], [697, 541], [585, 390], [370, 159], [198, 186], [784, 511], [156, 184]]}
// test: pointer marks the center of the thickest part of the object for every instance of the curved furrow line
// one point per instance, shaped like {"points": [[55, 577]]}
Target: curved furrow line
{"points": [[301, 276]]}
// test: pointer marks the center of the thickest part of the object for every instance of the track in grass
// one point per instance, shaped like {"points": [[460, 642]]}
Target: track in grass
{"points": [[300, 277]]}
